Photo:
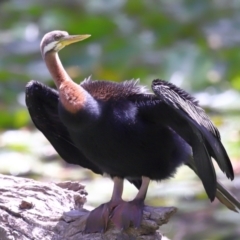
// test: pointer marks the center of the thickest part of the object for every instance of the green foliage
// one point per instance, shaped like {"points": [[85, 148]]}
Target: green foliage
{"points": [[193, 43], [198, 40], [14, 118]]}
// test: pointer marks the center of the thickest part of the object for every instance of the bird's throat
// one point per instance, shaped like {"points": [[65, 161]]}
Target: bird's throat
{"points": [[56, 69], [72, 96]]}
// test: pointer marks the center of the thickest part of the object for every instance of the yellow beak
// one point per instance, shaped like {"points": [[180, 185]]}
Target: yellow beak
{"points": [[73, 38]]}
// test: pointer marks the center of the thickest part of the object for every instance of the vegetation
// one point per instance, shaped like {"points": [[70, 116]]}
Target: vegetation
{"points": [[192, 43]]}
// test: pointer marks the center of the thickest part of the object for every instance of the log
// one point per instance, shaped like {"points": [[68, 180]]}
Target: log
{"points": [[35, 210]]}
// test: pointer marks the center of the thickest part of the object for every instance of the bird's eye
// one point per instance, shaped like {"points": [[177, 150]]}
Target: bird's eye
{"points": [[57, 37]]}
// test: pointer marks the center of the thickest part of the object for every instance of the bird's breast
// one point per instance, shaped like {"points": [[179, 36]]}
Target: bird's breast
{"points": [[117, 128], [121, 142], [72, 96]]}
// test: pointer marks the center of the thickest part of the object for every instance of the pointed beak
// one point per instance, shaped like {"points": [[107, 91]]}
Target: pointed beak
{"points": [[73, 38]]}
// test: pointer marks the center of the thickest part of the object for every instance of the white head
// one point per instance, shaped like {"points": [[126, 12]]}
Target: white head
{"points": [[56, 40]]}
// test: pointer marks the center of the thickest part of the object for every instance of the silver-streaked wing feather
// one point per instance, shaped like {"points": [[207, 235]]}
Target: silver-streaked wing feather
{"points": [[182, 100]]}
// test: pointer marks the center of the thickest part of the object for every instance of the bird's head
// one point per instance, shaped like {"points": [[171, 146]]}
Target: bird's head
{"points": [[56, 40]]}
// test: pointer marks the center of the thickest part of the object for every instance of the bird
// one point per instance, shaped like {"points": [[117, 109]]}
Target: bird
{"points": [[126, 131]]}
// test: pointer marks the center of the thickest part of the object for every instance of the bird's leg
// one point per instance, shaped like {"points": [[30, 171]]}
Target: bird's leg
{"points": [[130, 213], [98, 218], [117, 189], [123, 214]]}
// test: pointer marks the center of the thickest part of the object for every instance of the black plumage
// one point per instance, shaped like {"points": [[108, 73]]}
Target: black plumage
{"points": [[127, 132], [123, 135]]}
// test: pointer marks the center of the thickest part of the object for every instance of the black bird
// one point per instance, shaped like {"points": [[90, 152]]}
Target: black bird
{"points": [[127, 132]]}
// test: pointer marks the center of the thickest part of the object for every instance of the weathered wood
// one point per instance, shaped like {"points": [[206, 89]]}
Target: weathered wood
{"points": [[36, 210]]}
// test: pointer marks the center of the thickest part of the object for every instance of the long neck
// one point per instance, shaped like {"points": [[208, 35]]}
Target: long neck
{"points": [[56, 69], [71, 95]]}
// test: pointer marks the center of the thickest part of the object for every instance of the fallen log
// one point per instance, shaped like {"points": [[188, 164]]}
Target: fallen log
{"points": [[48, 211]]}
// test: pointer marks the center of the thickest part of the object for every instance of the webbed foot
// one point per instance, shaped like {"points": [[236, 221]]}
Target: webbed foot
{"points": [[98, 218], [128, 214], [123, 215]]}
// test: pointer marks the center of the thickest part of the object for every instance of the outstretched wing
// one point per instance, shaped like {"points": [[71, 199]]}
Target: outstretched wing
{"points": [[42, 104], [174, 108], [186, 106], [179, 99]]}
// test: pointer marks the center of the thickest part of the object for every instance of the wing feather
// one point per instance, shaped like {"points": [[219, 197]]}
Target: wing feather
{"points": [[181, 112], [187, 106], [180, 99], [42, 104]]}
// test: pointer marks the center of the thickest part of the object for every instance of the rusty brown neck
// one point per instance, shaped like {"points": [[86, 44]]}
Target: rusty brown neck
{"points": [[72, 96], [56, 68]]}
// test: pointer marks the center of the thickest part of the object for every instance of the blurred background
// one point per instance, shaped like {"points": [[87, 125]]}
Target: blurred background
{"points": [[192, 43]]}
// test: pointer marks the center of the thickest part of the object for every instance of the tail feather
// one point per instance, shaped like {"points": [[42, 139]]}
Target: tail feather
{"points": [[222, 194], [227, 198]]}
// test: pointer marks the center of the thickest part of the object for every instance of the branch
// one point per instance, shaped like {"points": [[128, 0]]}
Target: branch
{"points": [[49, 211]]}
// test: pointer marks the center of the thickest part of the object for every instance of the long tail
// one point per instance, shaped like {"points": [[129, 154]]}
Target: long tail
{"points": [[227, 198], [222, 194]]}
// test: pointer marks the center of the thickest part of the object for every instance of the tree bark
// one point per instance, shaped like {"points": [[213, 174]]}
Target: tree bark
{"points": [[49, 211]]}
